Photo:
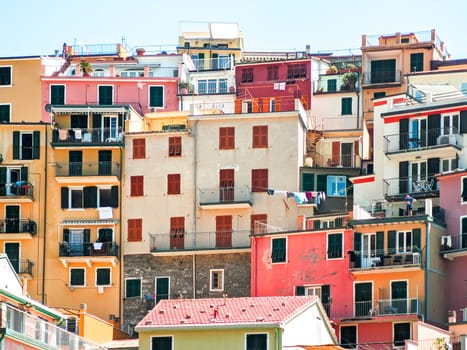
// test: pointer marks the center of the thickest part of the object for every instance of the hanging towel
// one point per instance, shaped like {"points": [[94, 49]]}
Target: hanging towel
{"points": [[281, 193], [300, 197], [77, 134], [98, 246], [105, 213], [62, 134]]}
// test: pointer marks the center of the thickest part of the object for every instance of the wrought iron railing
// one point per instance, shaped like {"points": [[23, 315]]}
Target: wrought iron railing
{"points": [[17, 225], [22, 266], [88, 249], [224, 195], [87, 169], [399, 186], [17, 189], [339, 161], [379, 258], [86, 136], [382, 76], [411, 142]]}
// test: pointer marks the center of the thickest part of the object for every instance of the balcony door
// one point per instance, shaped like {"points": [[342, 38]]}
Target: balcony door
{"points": [[368, 249], [363, 299], [75, 161], [105, 163], [418, 176], [12, 251], [399, 297], [346, 154], [162, 288], [417, 133], [226, 185], [110, 128], [177, 232], [12, 218], [224, 231]]}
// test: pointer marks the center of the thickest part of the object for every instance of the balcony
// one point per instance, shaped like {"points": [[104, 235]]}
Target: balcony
{"points": [[22, 266], [382, 261], [190, 241], [237, 197], [432, 142], [382, 78], [220, 63], [333, 161], [378, 308], [15, 228], [332, 83], [77, 137], [453, 246], [397, 188], [18, 191], [89, 252], [70, 169]]}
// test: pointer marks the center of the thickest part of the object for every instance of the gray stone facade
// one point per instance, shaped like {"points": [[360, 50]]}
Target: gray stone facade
{"points": [[179, 269]]}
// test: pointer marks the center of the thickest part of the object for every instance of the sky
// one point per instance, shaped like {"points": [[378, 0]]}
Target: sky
{"points": [[33, 27]]}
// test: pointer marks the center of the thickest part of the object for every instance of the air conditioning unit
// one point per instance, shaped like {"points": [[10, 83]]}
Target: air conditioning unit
{"points": [[446, 140]]}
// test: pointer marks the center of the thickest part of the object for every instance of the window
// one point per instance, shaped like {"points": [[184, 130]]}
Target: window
{"points": [[89, 197], [401, 333], [136, 186], [4, 113], [77, 277], [105, 95], [348, 337], [273, 73], [132, 287], [260, 136], [404, 242], [448, 164], [162, 288], [5, 76], [105, 197], [212, 84], [335, 246], [247, 75], [175, 146], [177, 232], [464, 190], [222, 86], [259, 180], [202, 86], [74, 198], [57, 94], [279, 249], [346, 106], [26, 145], [227, 138], [161, 343], [256, 342], [295, 71], [173, 184], [450, 124], [139, 148], [258, 223], [464, 231], [135, 230], [336, 186], [216, 280], [156, 96], [383, 71], [379, 94], [103, 277], [416, 62], [332, 85]]}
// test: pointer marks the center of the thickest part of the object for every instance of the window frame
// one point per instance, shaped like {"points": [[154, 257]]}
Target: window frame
{"points": [[346, 106], [394, 333], [99, 198], [247, 75], [70, 277], [406, 248], [138, 235], [72, 189], [328, 255], [296, 71], [51, 95], [136, 185], [463, 190], [175, 146], [139, 150], [174, 184], [279, 260], [163, 336], [110, 277], [335, 181], [8, 105], [10, 83], [272, 73], [220, 285], [260, 136], [150, 100], [126, 287], [257, 333], [259, 180], [226, 137], [99, 86]]}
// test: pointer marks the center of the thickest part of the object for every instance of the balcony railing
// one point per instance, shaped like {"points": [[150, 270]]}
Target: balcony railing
{"points": [[17, 189], [87, 169], [382, 77], [423, 187], [163, 242], [22, 266], [333, 161], [86, 137], [409, 142], [380, 307], [34, 330], [17, 225], [385, 258], [88, 249], [224, 63], [225, 195], [453, 242]]}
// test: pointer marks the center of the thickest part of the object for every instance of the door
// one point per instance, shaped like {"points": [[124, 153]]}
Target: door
{"points": [[110, 128], [368, 249], [348, 337], [363, 298], [105, 163], [12, 251], [346, 154], [77, 242], [177, 232], [224, 231], [162, 288], [226, 185], [12, 219], [417, 133], [399, 297], [418, 176], [75, 161]]}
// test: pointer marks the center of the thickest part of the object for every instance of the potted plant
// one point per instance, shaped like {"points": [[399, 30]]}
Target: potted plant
{"points": [[140, 51], [85, 67], [349, 80], [332, 70], [185, 87]]}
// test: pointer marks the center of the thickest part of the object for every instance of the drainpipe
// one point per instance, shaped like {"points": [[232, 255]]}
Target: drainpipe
{"points": [[44, 224], [427, 269], [195, 196], [194, 276], [120, 209], [276, 331]]}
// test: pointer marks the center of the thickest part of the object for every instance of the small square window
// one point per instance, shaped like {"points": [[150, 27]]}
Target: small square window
{"points": [[256, 342], [247, 75], [77, 277], [4, 113], [132, 287], [346, 106], [161, 343], [5, 75], [103, 277], [217, 280]]}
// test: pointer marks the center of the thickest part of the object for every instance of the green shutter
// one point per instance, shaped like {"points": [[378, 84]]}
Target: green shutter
{"points": [[391, 242], [416, 239], [404, 133], [87, 235], [278, 250], [299, 290], [463, 122], [64, 197], [114, 197], [321, 181], [2, 175], [24, 173], [357, 247], [156, 97], [334, 245], [325, 293], [308, 182], [16, 145], [316, 224], [90, 197], [403, 177], [66, 235], [36, 144], [380, 244]]}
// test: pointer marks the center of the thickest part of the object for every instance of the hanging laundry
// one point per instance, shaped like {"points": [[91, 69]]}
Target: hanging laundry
{"points": [[300, 197], [270, 192]]}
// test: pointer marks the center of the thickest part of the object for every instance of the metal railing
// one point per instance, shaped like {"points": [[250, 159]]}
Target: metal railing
{"points": [[382, 77], [379, 307], [20, 189], [87, 169], [335, 83], [453, 242], [88, 249], [399, 186], [17, 225], [225, 195], [86, 136], [35, 330], [22, 266], [224, 63], [379, 258], [333, 161], [378, 39], [410, 142], [162, 242]]}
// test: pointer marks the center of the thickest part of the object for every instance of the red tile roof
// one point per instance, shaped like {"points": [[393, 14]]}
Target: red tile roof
{"points": [[235, 311]]}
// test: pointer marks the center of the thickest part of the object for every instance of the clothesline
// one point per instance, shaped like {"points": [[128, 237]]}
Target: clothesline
{"points": [[307, 197]]}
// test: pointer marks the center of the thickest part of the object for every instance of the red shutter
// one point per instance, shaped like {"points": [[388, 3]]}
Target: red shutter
{"points": [[336, 150], [135, 229], [136, 186], [139, 148], [223, 231], [177, 232], [175, 146], [173, 184], [259, 180], [261, 218]]}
